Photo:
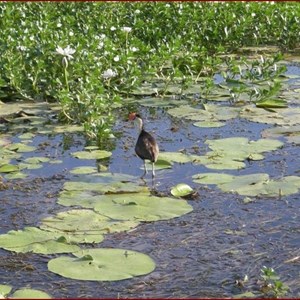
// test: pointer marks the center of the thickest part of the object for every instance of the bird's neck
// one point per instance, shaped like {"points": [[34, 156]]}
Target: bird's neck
{"points": [[139, 124]]}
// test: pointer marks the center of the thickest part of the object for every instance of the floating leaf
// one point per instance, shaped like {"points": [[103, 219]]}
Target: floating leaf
{"points": [[26, 136], [113, 187], [282, 116], [30, 166], [244, 295], [291, 133], [209, 124], [19, 147], [4, 290], [142, 207], [9, 109], [36, 160], [161, 102], [33, 239], [29, 294], [212, 178], [55, 161], [106, 177], [226, 154], [83, 170], [96, 154], [210, 113], [271, 103], [16, 175], [85, 223], [106, 265], [159, 165], [8, 168], [181, 190], [251, 184], [86, 199], [175, 157], [91, 148]]}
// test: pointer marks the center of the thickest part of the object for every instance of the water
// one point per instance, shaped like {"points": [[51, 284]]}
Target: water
{"points": [[201, 254]]}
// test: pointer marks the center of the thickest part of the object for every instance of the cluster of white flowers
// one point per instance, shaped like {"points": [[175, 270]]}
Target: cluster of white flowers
{"points": [[22, 48], [109, 73]]}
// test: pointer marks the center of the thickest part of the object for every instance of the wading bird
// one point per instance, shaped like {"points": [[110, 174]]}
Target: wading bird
{"points": [[146, 146]]}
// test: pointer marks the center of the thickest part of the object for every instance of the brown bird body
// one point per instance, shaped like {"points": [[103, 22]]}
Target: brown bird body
{"points": [[146, 147]]}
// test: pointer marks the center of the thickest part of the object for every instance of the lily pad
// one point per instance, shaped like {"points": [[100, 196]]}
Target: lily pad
{"points": [[30, 166], [181, 190], [87, 199], [290, 133], [26, 136], [83, 170], [209, 124], [226, 154], [50, 129], [212, 178], [113, 187], [141, 207], [159, 165], [210, 113], [282, 116], [175, 157], [271, 103], [29, 294], [85, 223], [251, 184], [4, 290], [55, 161], [36, 160], [19, 147], [102, 265], [96, 154], [16, 175], [8, 168], [244, 295], [33, 239]]}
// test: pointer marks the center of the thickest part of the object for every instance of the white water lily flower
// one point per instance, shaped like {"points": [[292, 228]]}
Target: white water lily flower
{"points": [[126, 29], [109, 73], [67, 52]]}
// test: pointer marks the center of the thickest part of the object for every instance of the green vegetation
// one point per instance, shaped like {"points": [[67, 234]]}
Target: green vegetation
{"points": [[268, 285], [82, 61], [91, 56]]}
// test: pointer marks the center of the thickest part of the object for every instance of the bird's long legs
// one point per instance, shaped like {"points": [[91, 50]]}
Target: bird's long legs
{"points": [[153, 171], [146, 171], [145, 168]]}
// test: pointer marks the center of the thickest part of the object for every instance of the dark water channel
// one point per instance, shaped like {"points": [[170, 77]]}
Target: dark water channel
{"points": [[201, 254]]}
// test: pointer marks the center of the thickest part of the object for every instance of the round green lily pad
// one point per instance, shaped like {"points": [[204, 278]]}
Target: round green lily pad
{"points": [[142, 207], [29, 294], [102, 265], [33, 239], [8, 168], [4, 290], [96, 154], [85, 223]]}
